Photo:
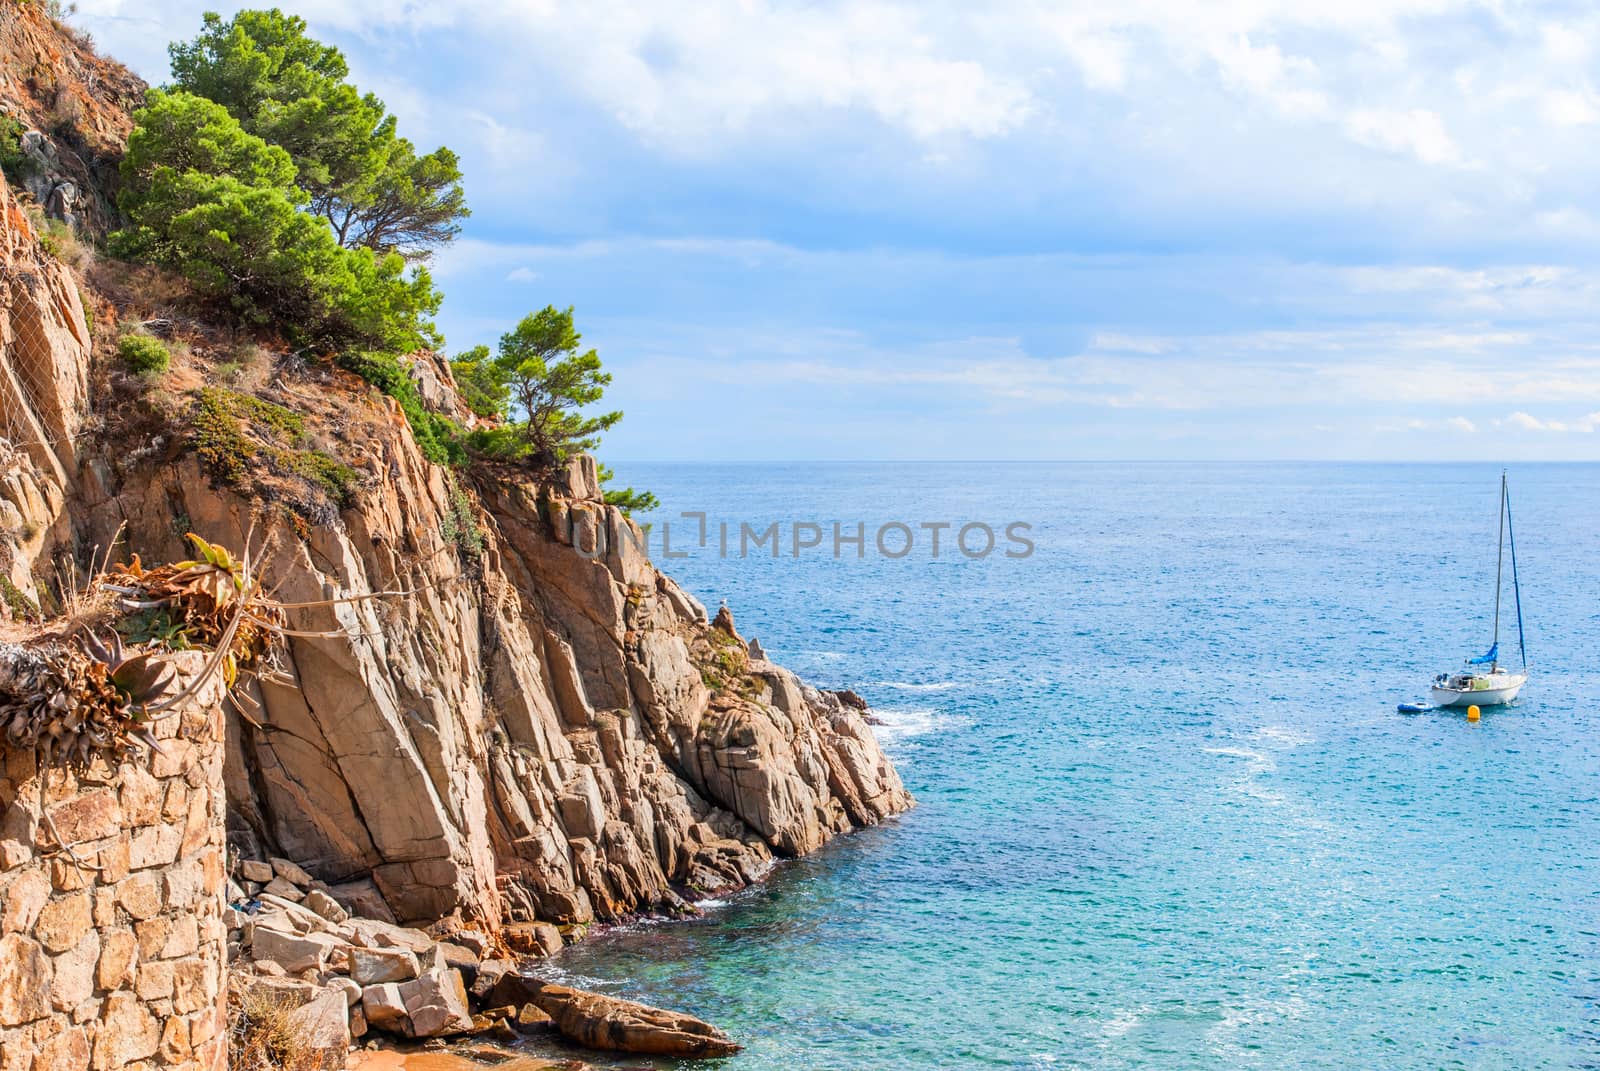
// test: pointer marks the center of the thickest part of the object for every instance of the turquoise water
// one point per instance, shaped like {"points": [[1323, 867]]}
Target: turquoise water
{"points": [[1168, 816]]}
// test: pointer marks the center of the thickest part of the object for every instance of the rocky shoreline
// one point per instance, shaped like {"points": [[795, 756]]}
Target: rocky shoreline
{"points": [[295, 950]]}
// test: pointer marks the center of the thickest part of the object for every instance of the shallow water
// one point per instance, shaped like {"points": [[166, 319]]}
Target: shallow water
{"points": [[1168, 816]]}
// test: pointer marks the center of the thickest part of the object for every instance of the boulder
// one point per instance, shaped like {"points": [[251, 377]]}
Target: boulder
{"points": [[513, 989], [302, 919], [370, 933], [375, 966], [534, 1019], [385, 1009], [326, 906], [448, 954], [596, 1021], [255, 870], [291, 872], [490, 971], [474, 940], [532, 938], [436, 1004], [284, 888], [294, 953], [322, 1028]]}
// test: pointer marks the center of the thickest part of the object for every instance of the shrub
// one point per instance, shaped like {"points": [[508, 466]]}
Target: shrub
{"points": [[18, 166], [144, 354], [438, 437], [241, 439], [460, 525]]}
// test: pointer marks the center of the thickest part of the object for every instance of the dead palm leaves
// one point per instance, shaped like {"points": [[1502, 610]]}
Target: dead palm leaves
{"points": [[71, 700]]}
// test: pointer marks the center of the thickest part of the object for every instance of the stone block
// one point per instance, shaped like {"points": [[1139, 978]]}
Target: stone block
{"points": [[385, 1009], [374, 966], [140, 895], [87, 816], [193, 984], [255, 870], [153, 934], [322, 1028], [293, 952], [24, 980], [75, 973], [436, 1004], [24, 900], [63, 922], [154, 981], [291, 872], [119, 954], [128, 1032], [326, 906]]}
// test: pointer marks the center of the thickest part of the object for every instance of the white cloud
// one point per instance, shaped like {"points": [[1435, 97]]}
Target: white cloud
{"points": [[1416, 131], [522, 275], [1456, 423], [1522, 421]]}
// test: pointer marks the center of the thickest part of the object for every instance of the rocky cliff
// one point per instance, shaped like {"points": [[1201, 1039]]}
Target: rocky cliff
{"points": [[510, 715]]}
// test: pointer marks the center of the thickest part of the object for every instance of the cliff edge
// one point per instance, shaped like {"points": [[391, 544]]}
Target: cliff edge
{"points": [[507, 714]]}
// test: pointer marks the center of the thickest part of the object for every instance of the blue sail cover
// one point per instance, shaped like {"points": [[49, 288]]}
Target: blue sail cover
{"points": [[1489, 657]]}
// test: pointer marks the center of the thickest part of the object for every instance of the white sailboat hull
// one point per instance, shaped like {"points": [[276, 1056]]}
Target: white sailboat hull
{"points": [[1501, 688]]}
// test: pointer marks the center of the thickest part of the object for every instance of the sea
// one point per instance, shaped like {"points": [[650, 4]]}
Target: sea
{"points": [[1168, 815]]}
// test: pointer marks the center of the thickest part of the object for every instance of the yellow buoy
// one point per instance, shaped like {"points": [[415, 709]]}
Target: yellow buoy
{"points": [[1473, 713]]}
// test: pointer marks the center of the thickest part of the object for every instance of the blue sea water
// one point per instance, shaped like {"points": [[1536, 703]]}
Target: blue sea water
{"points": [[1168, 816]]}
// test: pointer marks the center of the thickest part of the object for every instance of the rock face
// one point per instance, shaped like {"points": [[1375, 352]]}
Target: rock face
{"points": [[545, 730], [512, 717]]}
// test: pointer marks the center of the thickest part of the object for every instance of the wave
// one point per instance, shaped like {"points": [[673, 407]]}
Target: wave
{"points": [[1283, 734], [906, 686], [897, 724]]}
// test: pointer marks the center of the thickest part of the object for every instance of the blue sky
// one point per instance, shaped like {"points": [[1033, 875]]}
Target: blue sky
{"points": [[1147, 229]]}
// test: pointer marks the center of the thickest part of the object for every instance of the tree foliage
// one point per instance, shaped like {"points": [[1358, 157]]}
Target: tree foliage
{"points": [[541, 380], [626, 499], [208, 199], [370, 184]]}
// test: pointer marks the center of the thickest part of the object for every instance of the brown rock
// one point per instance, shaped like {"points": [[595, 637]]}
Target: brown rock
{"points": [[75, 973], [24, 981], [293, 953], [436, 1004], [291, 872], [193, 985], [119, 951], [596, 1021], [532, 938], [375, 966], [87, 816], [256, 870], [140, 895], [322, 1027], [385, 1009], [67, 1051], [128, 1032], [24, 900], [63, 922]]}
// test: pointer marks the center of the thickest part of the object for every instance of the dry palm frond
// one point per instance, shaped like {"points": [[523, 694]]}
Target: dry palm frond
{"points": [[99, 695]]}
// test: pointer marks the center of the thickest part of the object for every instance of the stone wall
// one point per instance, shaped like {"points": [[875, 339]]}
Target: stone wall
{"points": [[113, 955]]}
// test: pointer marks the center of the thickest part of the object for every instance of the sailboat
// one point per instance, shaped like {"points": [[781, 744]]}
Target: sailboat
{"points": [[1483, 681]]}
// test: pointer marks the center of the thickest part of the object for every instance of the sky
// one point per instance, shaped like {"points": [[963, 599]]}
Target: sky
{"points": [[1149, 229]]}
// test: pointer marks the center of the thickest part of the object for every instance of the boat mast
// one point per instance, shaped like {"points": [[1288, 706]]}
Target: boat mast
{"points": [[1516, 585], [1499, 565]]}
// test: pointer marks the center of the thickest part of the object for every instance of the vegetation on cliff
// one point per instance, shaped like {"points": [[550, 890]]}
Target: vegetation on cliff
{"points": [[286, 196]]}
